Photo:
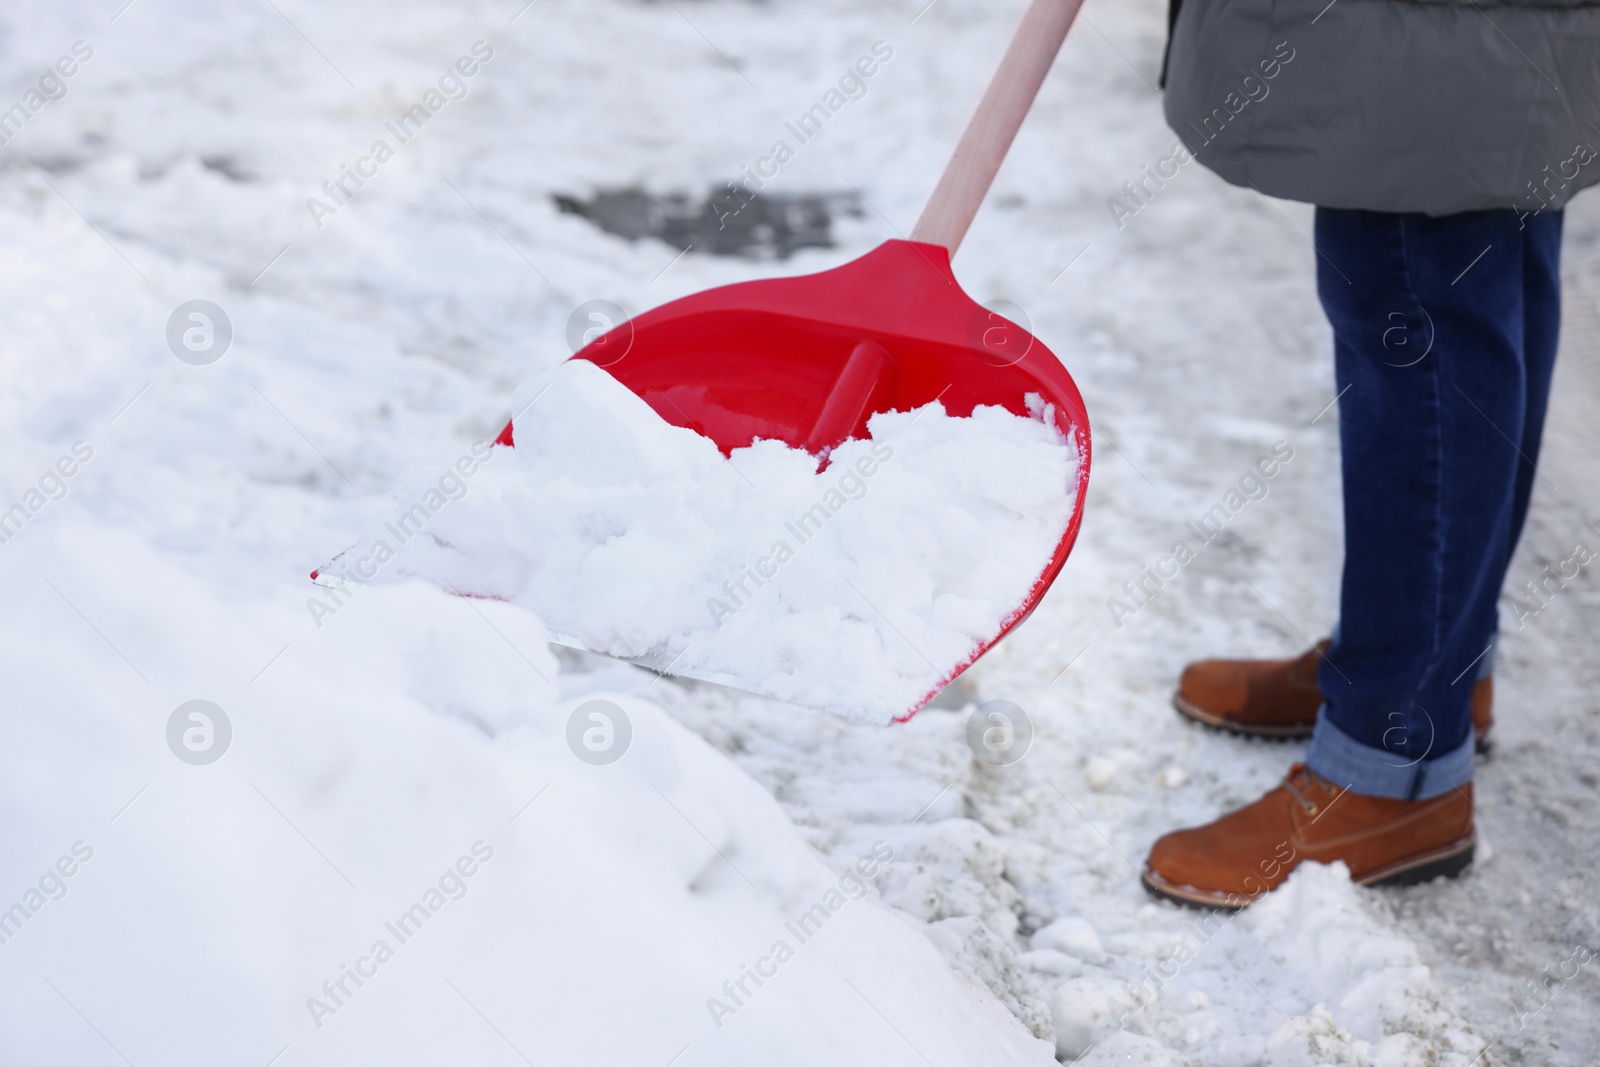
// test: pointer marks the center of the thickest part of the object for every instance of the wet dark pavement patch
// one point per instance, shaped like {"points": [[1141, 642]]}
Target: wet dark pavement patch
{"points": [[725, 223]]}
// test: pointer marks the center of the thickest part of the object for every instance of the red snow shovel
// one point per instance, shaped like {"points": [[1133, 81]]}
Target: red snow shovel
{"points": [[808, 360]]}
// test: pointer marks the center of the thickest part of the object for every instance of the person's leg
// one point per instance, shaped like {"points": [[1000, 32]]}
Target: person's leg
{"points": [[1430, 322], [1541, 329], [1428, 319]]}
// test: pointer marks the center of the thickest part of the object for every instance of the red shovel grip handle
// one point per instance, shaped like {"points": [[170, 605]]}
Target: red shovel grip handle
{"points": [[866, 372]]}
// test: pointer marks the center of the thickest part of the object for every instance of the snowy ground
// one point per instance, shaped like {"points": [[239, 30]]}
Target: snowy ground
{"points": [[370, 755]]}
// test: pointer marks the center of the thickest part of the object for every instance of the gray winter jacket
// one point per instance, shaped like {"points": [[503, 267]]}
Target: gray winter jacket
{"points": [[1436, 106]]}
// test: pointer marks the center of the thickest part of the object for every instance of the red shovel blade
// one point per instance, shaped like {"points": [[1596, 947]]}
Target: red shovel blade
{"points": [[808, 360]]}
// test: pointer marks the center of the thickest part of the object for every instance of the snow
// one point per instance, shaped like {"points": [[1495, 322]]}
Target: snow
{"points": [[663, 875], [859, 588], [381, 747]]}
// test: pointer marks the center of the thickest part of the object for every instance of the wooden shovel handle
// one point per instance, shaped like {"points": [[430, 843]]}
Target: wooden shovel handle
{"points": [[988, 136]]}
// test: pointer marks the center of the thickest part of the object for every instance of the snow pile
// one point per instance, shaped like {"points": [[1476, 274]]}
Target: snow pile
{"points": [[1355, 993], [362, 878], [859, 588]]}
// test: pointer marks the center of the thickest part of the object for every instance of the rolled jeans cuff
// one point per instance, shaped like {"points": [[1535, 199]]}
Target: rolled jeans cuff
{"points": [[1346, 762]]}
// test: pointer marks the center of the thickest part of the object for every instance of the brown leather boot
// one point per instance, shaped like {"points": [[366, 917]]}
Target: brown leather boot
{"points": [[1248, 853], [1279, 698]]}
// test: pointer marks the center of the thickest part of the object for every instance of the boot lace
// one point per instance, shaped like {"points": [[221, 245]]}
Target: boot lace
{"points": [[1305, 777]]}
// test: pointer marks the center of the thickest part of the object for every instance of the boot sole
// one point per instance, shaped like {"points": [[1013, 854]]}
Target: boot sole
{"points": [[1190, 710], [1447, 862], [1193, 899]]}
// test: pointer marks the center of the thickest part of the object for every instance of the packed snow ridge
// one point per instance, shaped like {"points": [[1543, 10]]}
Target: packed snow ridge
{"points": [[859, 588]]}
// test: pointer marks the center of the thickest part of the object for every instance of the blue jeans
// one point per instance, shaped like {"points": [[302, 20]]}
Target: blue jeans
{"points": [[1444, 341]]}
